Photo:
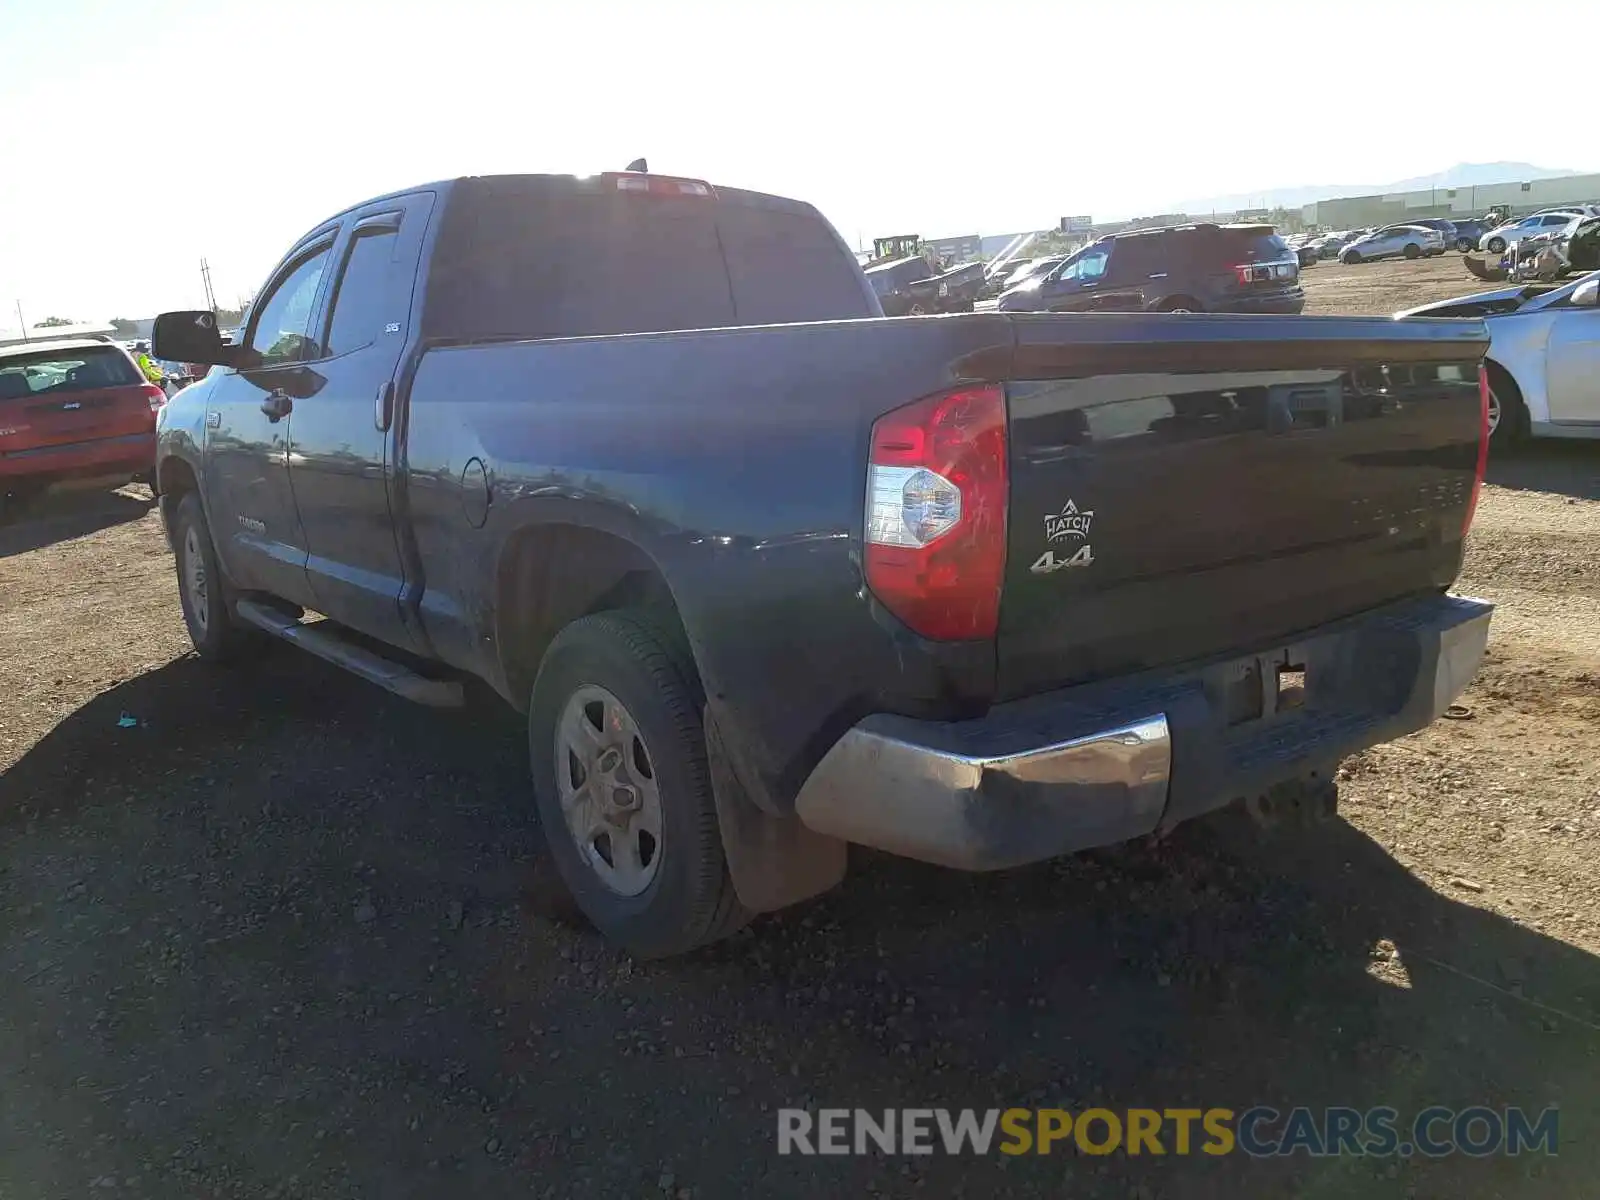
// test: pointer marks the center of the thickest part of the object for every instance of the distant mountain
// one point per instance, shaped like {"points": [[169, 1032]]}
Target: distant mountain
{"points": [[1459, 176]]}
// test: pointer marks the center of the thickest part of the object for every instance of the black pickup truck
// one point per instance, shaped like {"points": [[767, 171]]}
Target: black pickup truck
{"points": [[769, 574], [910, 287]]}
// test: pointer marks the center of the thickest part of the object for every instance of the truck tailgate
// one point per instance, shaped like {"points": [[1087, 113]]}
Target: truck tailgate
{"points": [[1186, 486]]}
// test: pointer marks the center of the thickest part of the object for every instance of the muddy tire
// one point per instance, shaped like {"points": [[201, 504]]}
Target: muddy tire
{"points": [[623, 787]]}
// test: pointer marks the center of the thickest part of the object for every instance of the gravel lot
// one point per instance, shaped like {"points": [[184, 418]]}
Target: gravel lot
{"points": [[284, 935]]}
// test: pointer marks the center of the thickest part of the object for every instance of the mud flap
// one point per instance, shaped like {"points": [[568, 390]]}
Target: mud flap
{"points": [[774, 861]]}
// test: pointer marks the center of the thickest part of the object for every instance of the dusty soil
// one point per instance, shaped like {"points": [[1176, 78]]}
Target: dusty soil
{"points": [[267, 931], [1383, 288]]}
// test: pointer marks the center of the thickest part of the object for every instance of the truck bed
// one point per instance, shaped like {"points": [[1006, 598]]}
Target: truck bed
{"points": [[1234, 479]]}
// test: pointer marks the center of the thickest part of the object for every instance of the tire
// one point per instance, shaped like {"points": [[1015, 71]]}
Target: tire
{"points": [[1350, 258], [208, 607], [1412, 250], [1508, 415], [1497, 246], [683, 897], [1464, 245], [917, 310], [1181, 304]]}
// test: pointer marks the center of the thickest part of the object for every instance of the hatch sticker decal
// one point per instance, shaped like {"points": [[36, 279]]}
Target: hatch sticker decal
{"points": [[1071, 521]]}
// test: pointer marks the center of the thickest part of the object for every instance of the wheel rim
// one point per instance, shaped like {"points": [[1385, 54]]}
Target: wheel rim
{"points": [[608, 790], [1181, 309], [1494, 411], [918, 311], [194, 580]]}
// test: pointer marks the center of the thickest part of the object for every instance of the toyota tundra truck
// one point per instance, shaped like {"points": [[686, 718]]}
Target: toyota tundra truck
{"points": [[769, 573]]}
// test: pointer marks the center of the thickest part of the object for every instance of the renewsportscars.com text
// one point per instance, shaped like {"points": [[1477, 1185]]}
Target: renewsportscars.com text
{"points": [[1261, 1131]]}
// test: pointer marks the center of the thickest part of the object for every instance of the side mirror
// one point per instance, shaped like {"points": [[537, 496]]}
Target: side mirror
{"points": [[1587, 294], [190, 337]]}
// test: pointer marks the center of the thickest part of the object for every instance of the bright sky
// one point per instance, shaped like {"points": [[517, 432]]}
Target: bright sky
{"points": [[138, 136]]}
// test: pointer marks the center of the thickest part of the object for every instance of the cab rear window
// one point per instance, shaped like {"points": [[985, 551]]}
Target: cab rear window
{"points": [[58, 372]]}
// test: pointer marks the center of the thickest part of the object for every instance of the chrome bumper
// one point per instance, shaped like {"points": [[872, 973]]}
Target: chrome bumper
{"points": [[1030, 781]]}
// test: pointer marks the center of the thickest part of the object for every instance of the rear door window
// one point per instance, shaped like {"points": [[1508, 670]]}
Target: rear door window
{"points": [[1138, 258], [363, 291], [61, 372]]}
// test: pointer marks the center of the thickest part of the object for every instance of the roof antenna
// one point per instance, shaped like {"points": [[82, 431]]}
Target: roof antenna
{"points": [[639, 165]]}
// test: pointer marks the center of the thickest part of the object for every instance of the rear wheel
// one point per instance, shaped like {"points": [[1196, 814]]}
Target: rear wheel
{"points": [[202, 591], [623, 788], [1464, 245], [1412, 250], [1182, 304]]}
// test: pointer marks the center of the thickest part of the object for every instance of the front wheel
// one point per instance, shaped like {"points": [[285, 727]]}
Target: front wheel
{"points": [[202, 591], [1508, 416], [1412, 250], [1497, 245], [623, 787], [1350, 258], [1464, 245]]}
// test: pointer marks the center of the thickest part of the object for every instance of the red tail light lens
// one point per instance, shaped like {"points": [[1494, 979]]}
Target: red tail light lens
{"points": [[1483, 447], [936, 513], [155, 395], [659, 185]]}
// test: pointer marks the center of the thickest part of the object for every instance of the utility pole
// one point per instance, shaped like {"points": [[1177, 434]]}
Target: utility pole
{"points": [[21, 324], [205, 280]]}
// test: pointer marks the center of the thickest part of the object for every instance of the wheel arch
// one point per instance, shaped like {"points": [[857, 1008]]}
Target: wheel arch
{"points": [[551, 571]]}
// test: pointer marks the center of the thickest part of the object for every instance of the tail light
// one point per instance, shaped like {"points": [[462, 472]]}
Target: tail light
{"points": [[659, 185], [155, 395], [1483, 447], [936, 513]]}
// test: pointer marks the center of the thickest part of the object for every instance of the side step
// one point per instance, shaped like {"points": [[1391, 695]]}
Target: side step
{"points": [[323, 640]]}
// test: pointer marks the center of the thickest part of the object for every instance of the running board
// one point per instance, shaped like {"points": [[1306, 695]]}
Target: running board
{"points": [[326, 643]]}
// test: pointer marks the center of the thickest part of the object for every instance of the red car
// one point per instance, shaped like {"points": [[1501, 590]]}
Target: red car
{"points": [[76, 412]]}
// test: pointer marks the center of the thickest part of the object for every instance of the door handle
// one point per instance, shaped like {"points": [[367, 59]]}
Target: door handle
{"points": [[383, 407], [277, 405]]}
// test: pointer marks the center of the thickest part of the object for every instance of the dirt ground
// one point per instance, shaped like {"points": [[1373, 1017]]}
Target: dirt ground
{"points": [[1383, 288], [269, 932]]}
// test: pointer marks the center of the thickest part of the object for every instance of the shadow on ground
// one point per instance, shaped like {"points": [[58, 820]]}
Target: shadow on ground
{"points": [[28, 525], [1566, 468], [278, 939]]}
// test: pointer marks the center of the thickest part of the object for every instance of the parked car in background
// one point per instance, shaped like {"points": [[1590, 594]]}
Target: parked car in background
{"points": [[910, 287], [1496, 240], [1329, 244], [1180, 268], [76, 413], [1065, 582], [1445, 227], [1468, 231], [1012, 274], [1393, 241], [1544, 357]]}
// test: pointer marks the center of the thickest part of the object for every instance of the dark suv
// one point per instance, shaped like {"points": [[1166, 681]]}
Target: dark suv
{"points": [[1180, 268]]}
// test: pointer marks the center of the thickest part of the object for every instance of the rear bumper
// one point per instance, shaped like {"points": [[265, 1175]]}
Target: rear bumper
{"points": [[1284, 304], [125, 456], [1103, 763]]}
